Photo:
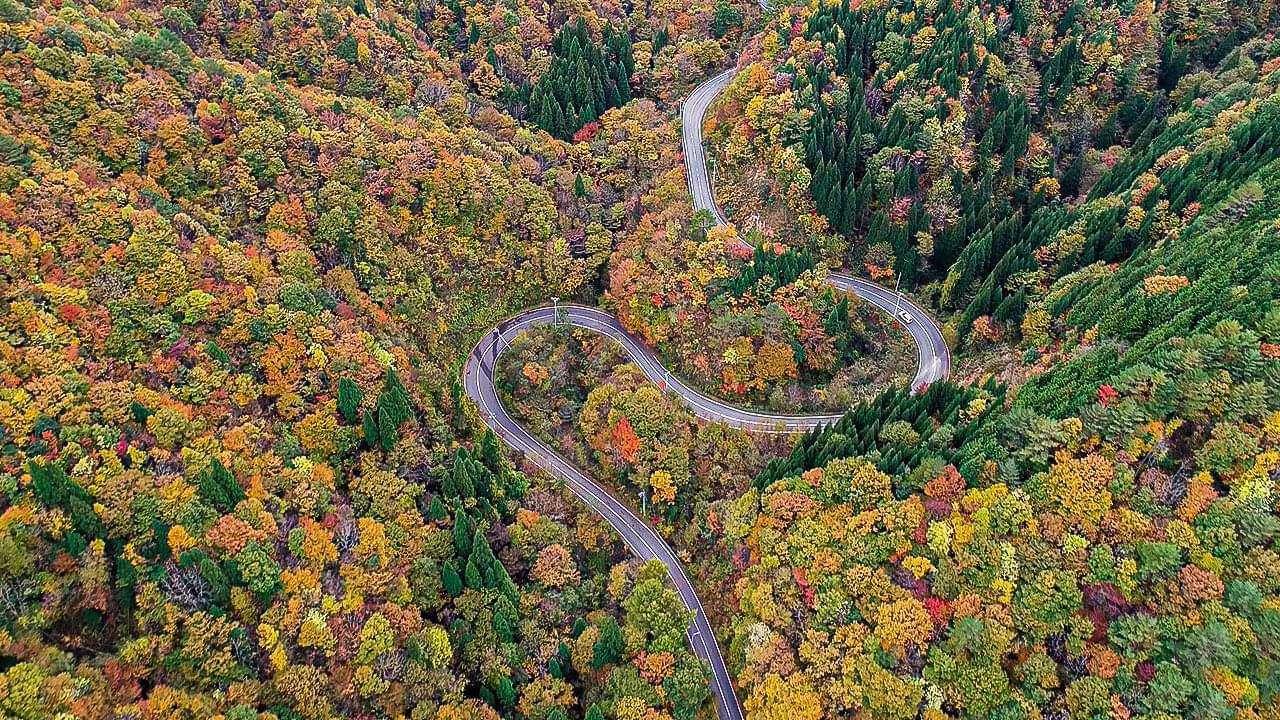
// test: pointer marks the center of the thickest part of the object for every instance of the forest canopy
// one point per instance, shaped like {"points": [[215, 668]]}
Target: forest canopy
{"points": [[245, 249]]}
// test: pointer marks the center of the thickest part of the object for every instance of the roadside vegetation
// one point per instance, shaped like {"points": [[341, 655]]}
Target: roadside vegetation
{"points": [[245, 248]]}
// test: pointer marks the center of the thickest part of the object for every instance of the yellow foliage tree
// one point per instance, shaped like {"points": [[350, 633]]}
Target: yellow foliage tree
{"points": [[776, 698], [664, 489], [1081, 488], [901, 624]]}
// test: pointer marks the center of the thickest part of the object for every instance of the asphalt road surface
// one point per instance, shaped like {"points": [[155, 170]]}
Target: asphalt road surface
{"points": [[933, 363]]}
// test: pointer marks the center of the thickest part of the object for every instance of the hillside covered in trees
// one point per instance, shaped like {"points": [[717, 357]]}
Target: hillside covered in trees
{"points": [[245, 248], [927, 140], [1097, 541], [241, 250]]}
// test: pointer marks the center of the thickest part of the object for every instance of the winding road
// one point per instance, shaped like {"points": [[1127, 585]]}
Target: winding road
{"points": [[933, 363], [933, 359]]}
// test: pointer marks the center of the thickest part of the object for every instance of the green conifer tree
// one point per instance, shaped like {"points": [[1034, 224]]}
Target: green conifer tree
{"points": [[450, 580], [349, 398]]}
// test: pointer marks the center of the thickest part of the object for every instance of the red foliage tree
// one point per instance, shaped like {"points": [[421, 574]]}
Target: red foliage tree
{"points": [[625, 439]]}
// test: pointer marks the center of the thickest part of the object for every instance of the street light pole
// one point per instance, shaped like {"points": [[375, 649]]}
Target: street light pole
{"points": [[897, 308], [555, 309]]}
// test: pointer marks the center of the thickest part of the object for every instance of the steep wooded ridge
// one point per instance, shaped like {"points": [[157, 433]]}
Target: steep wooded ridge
{"points": [[246, 249], [1080, 543], [240, 247]]}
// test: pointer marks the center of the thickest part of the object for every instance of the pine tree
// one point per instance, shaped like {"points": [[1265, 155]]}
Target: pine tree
{"points": [[505, 585], [370, 428], [465, 475], [837, 326], [505, 620], [218, 487], [436, 511], [349, 398], [450, 580], [394, 399], [482, 554], [388, 431], [472, 576], [609, 646], [463, 530], [490, 453]]}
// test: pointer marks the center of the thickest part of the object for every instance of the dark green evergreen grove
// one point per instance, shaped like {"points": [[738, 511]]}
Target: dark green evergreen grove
{"points": [[584, 79]]}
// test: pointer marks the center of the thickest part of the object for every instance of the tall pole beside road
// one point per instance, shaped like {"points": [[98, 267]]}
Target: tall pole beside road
{"points": [[897, 306]]}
